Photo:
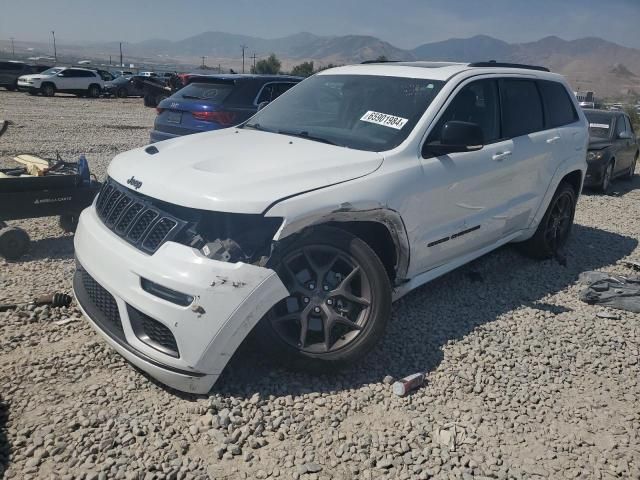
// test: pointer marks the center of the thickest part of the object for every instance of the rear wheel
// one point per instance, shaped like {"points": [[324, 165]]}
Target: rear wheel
{"points": [[48, 90], [555, 227], [122, 93], [14, 242], [93, 91], [339, 305]]}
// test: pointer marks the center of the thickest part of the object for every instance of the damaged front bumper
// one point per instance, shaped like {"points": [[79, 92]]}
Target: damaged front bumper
{"points": [[176, 314]]}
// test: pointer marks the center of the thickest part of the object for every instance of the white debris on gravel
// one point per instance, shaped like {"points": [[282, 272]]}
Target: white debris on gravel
{"points": [[523, 380]]}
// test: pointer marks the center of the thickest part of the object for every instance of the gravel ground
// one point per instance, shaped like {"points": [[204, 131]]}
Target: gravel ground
{"points": [[523, 380]]}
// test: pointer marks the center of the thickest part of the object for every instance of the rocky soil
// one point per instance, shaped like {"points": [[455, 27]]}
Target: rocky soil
{"points": [[523, 380]]}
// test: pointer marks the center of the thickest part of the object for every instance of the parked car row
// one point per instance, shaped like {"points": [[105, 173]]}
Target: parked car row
{"points": [[11, 70]]}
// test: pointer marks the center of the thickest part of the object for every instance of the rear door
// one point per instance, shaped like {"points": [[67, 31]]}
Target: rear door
{"points": [[570, 136], [533, 156]]}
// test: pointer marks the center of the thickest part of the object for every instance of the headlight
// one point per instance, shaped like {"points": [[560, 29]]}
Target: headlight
{"points": [[597, 155]]}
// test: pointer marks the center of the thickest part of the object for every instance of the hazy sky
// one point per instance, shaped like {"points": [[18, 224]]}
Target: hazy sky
{"points": [[405, 23]]}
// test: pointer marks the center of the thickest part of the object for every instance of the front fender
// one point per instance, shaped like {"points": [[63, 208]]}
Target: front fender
{"points": [[362, 211]]}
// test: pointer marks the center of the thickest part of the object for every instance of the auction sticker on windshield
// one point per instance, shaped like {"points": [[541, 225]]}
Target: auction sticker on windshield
{"points": [[384, 119], [599, 125]]}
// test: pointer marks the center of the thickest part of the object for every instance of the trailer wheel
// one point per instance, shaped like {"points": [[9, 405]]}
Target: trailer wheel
{"points": [[68, 223], [14, 242]]}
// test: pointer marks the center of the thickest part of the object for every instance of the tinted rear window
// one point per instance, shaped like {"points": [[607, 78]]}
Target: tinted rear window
{"points": [[599, 124], [521, 108], [212, 92], [558, 107]]}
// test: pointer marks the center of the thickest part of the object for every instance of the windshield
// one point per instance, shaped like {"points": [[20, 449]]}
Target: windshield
{"points": [[213, 92], [599, 124], [363, 112], [52, 71]]}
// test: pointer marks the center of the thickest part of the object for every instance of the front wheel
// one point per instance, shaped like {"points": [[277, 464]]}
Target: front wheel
{"points": [[555, 227], [605, 183], [48, 90], [339, 303]]}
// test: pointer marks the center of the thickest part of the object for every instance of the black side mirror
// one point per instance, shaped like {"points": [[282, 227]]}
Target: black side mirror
{"points": [[456, 136], [261, 105]]}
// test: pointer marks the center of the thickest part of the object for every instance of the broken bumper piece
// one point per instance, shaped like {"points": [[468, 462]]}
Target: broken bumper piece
{"points": [[176, 314]]}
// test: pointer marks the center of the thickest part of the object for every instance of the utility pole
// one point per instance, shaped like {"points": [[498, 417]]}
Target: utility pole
{"points": [[244, 47], [55, 52], [254, 62], [121, 63], [13, 50], [203, 65], [109, 60]]}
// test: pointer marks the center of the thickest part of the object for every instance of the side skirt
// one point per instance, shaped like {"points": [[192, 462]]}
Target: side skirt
{"points": [[436, 272]]}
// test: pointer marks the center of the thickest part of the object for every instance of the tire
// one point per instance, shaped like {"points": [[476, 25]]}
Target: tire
{"points": [[94, 91], [545, 243], [12, 88], [607, 176], [68, 223], [14, 242], [149, 101], [48, 89], [352, 301], [632, 169], [122, 93]]}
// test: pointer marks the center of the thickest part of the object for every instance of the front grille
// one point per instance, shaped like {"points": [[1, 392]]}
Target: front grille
{"points": [[99, 303], [135, 218], [152, 332]]}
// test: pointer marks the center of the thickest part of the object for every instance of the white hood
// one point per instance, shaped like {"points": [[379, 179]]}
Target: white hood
{"points": [[237, 170], [35, 76]]}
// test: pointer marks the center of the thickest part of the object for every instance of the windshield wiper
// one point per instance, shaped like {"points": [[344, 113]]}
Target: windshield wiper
{"points": [[255, 126], [305, 134], [193, 97]]}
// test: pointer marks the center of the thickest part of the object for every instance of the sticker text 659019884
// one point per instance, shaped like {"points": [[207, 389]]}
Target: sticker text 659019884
{"points": [[384, 119]]}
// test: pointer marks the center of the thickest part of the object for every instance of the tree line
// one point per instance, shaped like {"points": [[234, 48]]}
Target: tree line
{"points": [[272, 66]]}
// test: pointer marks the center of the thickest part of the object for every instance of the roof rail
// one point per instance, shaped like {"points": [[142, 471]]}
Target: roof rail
{"points": [[378, 61], [493, 63]]}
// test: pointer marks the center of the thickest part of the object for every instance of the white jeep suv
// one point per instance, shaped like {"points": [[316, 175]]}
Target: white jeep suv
{"points": [[80, 81], [305, 223]]}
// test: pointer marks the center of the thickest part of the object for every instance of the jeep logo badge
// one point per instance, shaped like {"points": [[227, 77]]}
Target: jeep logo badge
{"points": [[134, 183]]}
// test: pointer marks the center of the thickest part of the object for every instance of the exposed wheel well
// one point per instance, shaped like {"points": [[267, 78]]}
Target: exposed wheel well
{"points": [[378, 237], [575, 180]]}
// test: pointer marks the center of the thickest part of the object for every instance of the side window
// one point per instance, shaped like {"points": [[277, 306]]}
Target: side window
{"points": [[558, 107], [71, 73], [521, 108], [280, 88], [628, 125], [620, 126], [477, 103], [266, 95]]}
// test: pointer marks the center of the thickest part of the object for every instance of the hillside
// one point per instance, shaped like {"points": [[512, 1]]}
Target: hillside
{"points": [[607, 68]]}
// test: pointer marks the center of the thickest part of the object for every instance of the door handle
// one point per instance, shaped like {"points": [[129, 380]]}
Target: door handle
{"points": [[553, 139], [501, 156]]}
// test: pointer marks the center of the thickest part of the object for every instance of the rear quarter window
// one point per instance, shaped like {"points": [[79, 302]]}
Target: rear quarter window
{"points": [[521, 108], [558, 107]]}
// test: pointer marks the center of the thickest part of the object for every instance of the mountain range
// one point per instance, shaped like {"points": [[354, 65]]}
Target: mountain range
{"points": [[590, 63]]}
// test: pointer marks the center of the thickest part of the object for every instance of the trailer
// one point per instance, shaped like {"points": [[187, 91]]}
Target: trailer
{"points": [[41, 188]]}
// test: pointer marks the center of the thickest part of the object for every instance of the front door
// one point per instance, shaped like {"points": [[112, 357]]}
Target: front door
{"points": [[465, 193]]}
